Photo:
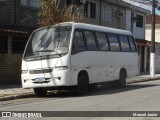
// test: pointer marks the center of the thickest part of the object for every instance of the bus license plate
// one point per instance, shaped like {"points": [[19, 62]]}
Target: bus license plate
{"points": [[42, 79]]}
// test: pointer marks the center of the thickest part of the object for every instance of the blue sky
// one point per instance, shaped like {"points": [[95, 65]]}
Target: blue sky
{"points": [[148, 7]]}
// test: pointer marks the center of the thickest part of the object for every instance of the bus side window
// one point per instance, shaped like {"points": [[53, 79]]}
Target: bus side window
{"points": [[102, 41], [124, 43], [132, 44], [90, 40], [114, 43], [78, 42]]}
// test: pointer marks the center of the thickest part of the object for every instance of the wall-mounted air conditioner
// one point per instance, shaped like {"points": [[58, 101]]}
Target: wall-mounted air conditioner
{"points": [[119, 14]]}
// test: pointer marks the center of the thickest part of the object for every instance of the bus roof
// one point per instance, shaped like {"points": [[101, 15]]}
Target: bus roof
{"points": [[98, 28], [92, 27]]}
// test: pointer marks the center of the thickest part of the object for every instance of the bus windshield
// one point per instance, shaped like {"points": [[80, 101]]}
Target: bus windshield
{"points": [[49, 41]]}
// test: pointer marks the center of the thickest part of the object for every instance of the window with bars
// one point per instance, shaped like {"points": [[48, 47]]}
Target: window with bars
{"points": [[107, 13], [18, 44], [3, 44], [139, 22], [90, 10]]}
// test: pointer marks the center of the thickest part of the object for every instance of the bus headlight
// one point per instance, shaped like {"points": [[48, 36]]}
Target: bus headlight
{"points": [[61, 68], [24, 71]]}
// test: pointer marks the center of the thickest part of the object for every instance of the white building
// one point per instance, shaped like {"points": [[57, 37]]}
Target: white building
{"points": [[157, 28], [117, 14], [157, 39]]}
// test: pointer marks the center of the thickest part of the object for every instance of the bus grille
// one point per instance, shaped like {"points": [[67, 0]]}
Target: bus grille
{"points": [[40, 71]]}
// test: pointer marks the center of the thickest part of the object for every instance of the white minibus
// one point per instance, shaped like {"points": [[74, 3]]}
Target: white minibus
{"points": [[77, 55]]}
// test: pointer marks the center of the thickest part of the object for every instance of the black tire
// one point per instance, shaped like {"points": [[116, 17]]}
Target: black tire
{"points": [[83, 84], [122, 78], [40, 92]]}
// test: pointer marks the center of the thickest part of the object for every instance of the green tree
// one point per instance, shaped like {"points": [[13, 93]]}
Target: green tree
{"points": [[52, 12]]}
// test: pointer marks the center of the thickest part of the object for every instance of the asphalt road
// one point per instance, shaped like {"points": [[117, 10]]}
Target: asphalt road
{"points": [[144, 96]]}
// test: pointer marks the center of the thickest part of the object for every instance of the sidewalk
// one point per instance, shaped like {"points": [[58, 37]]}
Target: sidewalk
{"points": [[11, 92], [142, 78], [16, 91]]}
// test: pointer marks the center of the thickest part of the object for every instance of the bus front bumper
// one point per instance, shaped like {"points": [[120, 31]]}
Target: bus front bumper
{"points": [[54, 79]]}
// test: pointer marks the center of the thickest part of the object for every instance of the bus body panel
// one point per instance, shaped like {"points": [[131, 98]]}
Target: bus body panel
{"points": [[104, 66]]}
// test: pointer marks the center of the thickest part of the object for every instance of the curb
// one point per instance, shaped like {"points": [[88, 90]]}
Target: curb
{"points": [[18, 96]]}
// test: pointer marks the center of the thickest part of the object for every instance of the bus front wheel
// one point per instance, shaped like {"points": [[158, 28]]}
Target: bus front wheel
{"points": [[83, 83], [40, 92]]}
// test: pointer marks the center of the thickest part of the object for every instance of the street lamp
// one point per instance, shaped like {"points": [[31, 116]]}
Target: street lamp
{"points": [[152, 54]]}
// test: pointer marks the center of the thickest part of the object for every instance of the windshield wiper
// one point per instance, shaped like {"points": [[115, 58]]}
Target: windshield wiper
{"points": [[46, 51], [50, 51]]}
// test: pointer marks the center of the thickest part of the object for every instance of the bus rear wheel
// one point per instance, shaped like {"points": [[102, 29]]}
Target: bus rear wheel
{"points": [[83, 84], [122, 78], [40, 92]]}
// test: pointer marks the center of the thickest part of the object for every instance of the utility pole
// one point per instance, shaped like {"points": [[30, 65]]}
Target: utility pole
{"points": [[152, 54]]}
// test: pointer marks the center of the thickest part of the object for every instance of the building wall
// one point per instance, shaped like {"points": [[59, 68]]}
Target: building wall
{"points": [[138, 32], [10, 67], [148, 32], [157, 39], [157, 58], [123, 22], [157, 46], [128, 19], [118, 22], [27, 16], [5, 12], [12, 12]]}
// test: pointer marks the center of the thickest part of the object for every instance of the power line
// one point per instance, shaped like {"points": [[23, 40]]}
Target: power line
{"points": [[148, 3]]}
